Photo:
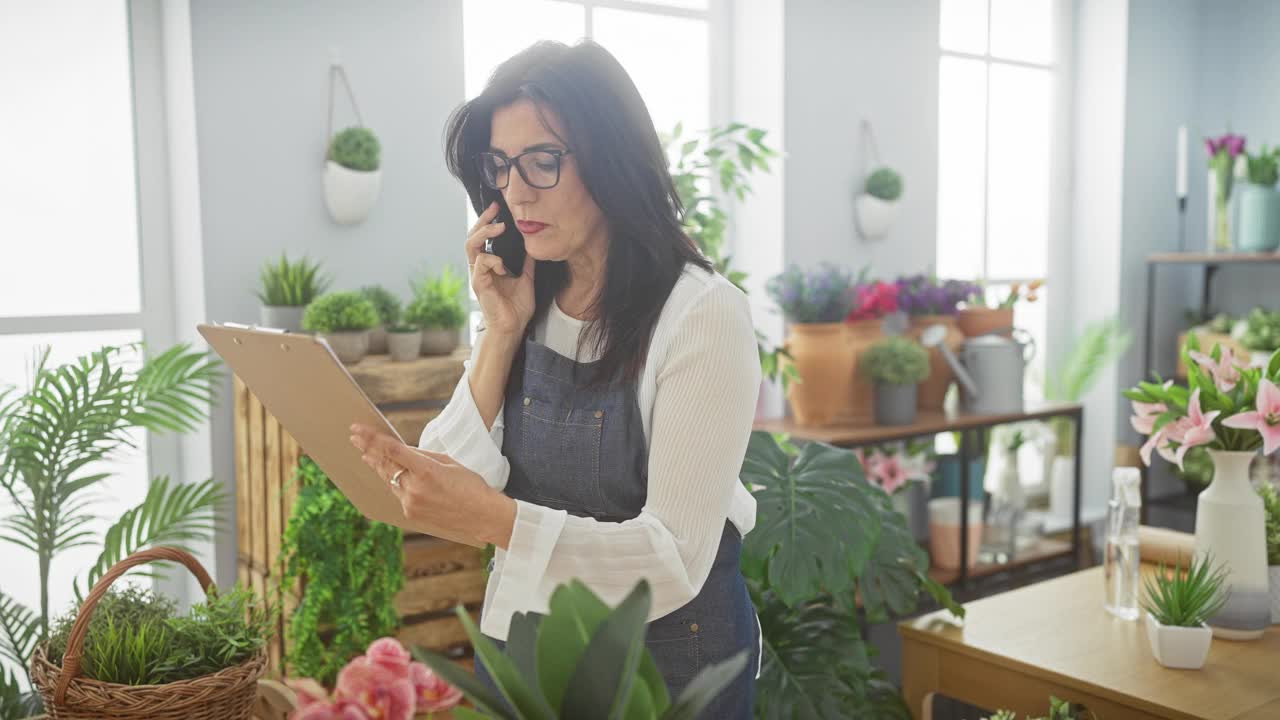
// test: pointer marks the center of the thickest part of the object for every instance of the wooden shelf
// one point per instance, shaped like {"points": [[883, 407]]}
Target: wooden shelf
{"points": [[1044, 549], [387, 382], [1212, 258], [927, 423]]}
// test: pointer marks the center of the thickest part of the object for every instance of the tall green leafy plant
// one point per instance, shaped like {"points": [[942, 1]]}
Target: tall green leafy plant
{"points": [[824, 535], [291, 284], [438, 301], [1097, 347], [351, 569], [53, 437]]}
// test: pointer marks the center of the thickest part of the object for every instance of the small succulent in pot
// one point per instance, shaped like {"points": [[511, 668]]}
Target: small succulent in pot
{"points": [[1177, 604], [343, 319], [404, 342], [285, 288], [897, 365], [437, 308], [388, 306]]}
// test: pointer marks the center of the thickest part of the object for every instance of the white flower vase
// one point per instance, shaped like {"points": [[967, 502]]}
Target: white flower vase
{"points": [[875, 216], [1230, 528], [350, 194]]}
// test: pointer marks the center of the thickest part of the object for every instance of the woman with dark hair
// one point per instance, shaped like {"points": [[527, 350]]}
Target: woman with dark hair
{"points": [[600, 425]]}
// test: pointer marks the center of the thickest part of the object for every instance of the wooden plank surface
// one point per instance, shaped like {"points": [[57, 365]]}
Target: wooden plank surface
{"points": [[244, 523], [257, 495], [443, 634], [427, 378], [275, 512], [927, 423]]}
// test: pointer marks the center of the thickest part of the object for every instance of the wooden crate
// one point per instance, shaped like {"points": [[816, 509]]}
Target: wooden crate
{"points": [[438, 574]]}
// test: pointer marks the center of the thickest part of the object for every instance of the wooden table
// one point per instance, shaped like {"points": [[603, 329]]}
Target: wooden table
{"points": [[1054, 638]]}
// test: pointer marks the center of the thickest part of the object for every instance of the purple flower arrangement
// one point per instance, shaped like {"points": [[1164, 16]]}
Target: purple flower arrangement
{"points": [[823, 295], [926, 295]]}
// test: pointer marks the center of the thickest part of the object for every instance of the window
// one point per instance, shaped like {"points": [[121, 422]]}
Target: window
{"points": [[996, 80], [70, 272], [664, 45]]}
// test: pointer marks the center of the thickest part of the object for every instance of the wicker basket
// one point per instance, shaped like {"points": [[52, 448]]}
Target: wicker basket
{"points": [[228, 694]]}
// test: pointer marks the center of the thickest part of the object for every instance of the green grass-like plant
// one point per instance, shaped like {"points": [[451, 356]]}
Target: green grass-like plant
{"points": [[387, 304], [438, 302], [895, 361], [356, 148], [1185, 599], [1271, 505], [345, 311], [290, 284]]}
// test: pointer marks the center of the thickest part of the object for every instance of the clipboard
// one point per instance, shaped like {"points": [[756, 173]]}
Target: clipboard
{"points": [[299, 380]]}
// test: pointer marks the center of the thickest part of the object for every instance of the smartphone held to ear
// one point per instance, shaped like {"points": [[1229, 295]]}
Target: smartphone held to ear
{"points": [[510, 244]]}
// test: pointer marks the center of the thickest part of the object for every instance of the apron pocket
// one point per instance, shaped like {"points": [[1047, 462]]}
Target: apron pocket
{"points": [[561, 455], [676, 647]]}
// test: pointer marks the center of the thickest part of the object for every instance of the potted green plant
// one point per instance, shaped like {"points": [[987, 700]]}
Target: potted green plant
{"points": [[897, 365], [286, 288], [352, 175], [1259, 211], [388, 306], [53, 433], [1271, 505], [343, 319], [1177, 604], [404, 342], [1259, 334], [437, 308], [877, 207]]}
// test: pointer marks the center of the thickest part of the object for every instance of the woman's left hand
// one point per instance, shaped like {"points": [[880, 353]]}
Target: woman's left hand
{"points": [[437, 492]]}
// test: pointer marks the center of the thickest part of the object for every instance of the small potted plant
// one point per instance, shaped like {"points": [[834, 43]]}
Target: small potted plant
{"points": [[815, 304], [1259, 335], [1259, 212], [405, 342], [388, 306], [343, 319], [352, 175], [1271, 505], [1177, 604], [437, 308], [929, 301], [286, 289], [864, 326], [979, 316], [877, 207], [897, 365]]}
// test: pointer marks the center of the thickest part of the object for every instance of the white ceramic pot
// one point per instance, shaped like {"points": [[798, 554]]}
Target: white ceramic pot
{"points": [[438, 341], [350, 194], [1274, 573], [1180, 648], [378, 340], [283, 317], [1230, 528], [875, 216], [350, 347], [404, 346]]}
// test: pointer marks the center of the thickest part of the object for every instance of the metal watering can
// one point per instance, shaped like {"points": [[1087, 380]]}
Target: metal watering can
{"points": [[990, 367]]}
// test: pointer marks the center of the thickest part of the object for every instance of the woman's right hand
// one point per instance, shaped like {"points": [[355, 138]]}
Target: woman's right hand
{"points": [[507, 302]]}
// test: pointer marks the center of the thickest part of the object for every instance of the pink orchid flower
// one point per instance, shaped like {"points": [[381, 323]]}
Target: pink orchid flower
{"points": [[433, 693], [1266, 419], [390, 654], [1224, 372], [891, 474], [1145, 416], [1193, 430], [382, 693]]}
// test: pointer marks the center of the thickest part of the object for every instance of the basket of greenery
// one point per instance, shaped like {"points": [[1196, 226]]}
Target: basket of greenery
{"points": [[404, 342], [388, 306], [286, 289], [343, 319], [897, 366], [437, 308], [1177, 604], [128, 655]]}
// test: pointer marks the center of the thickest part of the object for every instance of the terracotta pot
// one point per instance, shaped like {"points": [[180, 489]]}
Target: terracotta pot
{"points": [[934, 389], [824, 358], [976, 321], [860, 334]]}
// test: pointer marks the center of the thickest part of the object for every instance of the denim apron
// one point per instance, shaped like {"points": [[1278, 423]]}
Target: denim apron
{"points": [[583, 450]]}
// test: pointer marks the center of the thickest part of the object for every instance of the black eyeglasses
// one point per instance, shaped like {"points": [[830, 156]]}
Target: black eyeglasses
{"points": [[538, 168]]}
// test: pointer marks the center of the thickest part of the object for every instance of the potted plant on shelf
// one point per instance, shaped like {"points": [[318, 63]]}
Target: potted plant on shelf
{"points": [[1271, 506], [864, 326], [352, 174], [877, 207], [1178, 605], [1233, 412], [1260, 203], [343, 320], [286, 290], [1260, 335], [897, 366], [1223, 152], [815, 304], [437, 308], [903, 470], [404, 342], [929, 301], [981, 315], [388, 307]]}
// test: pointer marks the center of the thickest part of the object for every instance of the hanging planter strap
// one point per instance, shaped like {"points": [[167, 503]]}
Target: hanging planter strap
{"points": [[337, 72], [869, 148]]}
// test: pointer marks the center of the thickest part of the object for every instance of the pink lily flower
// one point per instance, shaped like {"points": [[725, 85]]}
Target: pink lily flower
{"points": [[1145, 416], [1195, 429], [891, 474], [1265, 419], [1224, 372]]}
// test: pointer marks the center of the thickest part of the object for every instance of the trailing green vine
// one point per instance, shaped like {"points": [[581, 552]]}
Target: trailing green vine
{"points": [[351, 569]]}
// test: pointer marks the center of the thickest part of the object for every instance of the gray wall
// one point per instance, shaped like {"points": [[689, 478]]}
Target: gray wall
{"points": [[261, 84]]}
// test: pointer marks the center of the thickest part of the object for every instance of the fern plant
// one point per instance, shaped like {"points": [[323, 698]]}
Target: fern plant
{"points": [[1100, 345], [52, 437]]}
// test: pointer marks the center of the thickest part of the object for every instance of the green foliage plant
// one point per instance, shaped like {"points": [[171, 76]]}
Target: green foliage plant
{"points": [[290, 284], [1099, 345], [386, 303], [346, 311], [356, 148], [1271, 504], [1264, 166], [885, 184], [1261, 330], [438, 301], [1185, 599], [895, 360]]}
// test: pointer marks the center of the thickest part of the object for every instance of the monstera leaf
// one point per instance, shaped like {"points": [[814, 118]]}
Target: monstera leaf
{"points": [[817, 518]]}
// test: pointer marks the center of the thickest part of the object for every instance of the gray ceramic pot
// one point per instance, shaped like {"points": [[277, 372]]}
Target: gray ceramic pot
{"points": [[378, 340], [895, 404], [284, 317], [404, 346], [350, 347], [439, 341]]}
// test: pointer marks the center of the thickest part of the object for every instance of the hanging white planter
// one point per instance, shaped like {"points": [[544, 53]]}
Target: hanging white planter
{"points": [[875, 216], [875, 209], [350, 194]]}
